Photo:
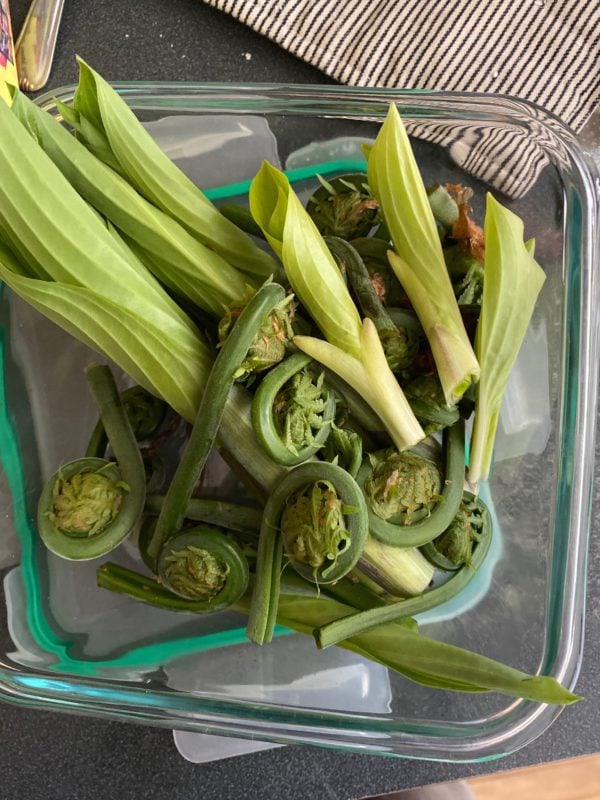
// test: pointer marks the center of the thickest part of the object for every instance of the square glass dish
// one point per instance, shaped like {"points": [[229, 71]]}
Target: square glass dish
{"points": [[65, 644]]}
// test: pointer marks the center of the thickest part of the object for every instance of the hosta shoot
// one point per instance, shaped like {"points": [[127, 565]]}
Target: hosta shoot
{"points": [[352, 349], [513, 280], [418, 260]]}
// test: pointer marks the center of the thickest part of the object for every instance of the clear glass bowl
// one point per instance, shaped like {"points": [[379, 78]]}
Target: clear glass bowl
{"points": [[65, 644]]}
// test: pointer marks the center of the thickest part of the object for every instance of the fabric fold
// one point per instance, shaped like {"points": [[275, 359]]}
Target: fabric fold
{"points": [[542, 51]]}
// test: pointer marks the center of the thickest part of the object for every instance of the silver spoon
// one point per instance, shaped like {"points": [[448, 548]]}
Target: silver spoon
{"points": [[35, 46]]}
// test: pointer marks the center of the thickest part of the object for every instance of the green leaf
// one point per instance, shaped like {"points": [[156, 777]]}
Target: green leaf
{"points": [[85, 100], [268, 199], [172, 366], [57, 236], [513, 280], [421, 659], [68, 113], [179, 261], [61, 257], [309, 266], [157, 178], [97, 143], [396, 182]]}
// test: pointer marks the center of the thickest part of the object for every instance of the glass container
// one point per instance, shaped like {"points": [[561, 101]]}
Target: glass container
{"points": [[67, 645]]}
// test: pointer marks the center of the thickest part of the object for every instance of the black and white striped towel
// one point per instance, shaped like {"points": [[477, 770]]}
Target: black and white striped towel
{"points": [[545, 51]]}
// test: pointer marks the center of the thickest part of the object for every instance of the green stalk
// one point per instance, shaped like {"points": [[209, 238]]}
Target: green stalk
{"points": [[116, 423], [98, 442], [237, 437], [210, 414], [346, 628], [145, 413], [352, 592], [398, 571], [262, 613], [243, 519], [147, 590]]}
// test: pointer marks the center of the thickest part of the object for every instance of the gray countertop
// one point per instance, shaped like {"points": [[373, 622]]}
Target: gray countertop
{"points": [[51, 756]]}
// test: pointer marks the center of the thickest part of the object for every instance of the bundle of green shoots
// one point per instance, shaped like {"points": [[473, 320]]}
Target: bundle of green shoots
{"points": [[330, 364]]}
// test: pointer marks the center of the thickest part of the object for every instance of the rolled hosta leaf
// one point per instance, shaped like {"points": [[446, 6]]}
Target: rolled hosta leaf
{"points": [[179, 260], [61, 257], [353, 349], [418, 262], [173, 367], [57, 236], [114, 134], [309, 266], [513, 280]]}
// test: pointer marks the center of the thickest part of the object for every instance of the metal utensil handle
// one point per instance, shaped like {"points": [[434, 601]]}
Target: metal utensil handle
{"points": [[35, 46]]}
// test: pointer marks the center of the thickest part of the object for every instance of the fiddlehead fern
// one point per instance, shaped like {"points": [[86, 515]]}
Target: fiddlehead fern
{"points": [[322, 517], [454, 547], [90, 505], [270, 342], [344, 447], [204, 565], [292, 412], [405, 508], [145, 413], [339, 630], [329, 528], [86, 497], [402, 486], [373, 252], [426, 398], [343, 207]]}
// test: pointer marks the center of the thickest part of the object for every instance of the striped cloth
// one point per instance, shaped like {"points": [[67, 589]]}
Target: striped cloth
{"points": [[545, 51]]}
